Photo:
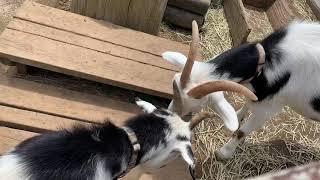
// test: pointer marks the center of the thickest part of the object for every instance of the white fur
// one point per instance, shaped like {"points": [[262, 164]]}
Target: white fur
{"points": [[202, 73], [146, 106], [300, 51], [11, 168], [101, 172]]}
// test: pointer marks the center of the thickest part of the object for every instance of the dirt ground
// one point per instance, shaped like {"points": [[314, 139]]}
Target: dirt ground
{"points": [[288, 140]]}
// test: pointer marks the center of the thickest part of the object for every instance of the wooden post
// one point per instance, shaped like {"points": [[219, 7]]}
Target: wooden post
{"points": [[237, 20], [141, 15]]}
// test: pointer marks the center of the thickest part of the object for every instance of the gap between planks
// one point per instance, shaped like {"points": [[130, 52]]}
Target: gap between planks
{"points": [[90, 43]]}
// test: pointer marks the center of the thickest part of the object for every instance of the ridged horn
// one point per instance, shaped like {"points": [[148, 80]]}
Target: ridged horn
{"points": [[193, 52], [221, 85], [198, 118]]}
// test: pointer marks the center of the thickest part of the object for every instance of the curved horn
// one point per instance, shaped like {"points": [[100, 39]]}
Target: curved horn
{"points": [[198, 118], [222, 85], [193, 51]]}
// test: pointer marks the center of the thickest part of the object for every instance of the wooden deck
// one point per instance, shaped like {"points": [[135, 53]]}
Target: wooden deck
{"points": [[76, 45], [72, 44]]}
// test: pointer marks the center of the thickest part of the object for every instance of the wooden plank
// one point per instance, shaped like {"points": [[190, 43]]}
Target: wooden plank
{"points": [[89, 43], [116, 11], [31, 96], [83, 41], [264, 4], [146, 15], [9, 138], [280, 14], [238, 24], [182, 17], [196, 6], [34, 121], [315, 7], [81, 62], [97, 29]]}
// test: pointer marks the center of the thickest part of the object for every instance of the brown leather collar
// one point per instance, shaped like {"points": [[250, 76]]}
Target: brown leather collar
{"points": [[136, 148], [262, 59]]}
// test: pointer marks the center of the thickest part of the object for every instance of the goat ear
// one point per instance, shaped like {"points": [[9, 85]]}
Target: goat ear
{"points": [[175, 58], [226, 112], [187, 155], [146, 106]]}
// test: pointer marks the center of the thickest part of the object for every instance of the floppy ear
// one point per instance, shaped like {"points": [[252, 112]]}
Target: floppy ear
{"points": [[224, 109], [146, 106], [186, 153], [175, 58]]}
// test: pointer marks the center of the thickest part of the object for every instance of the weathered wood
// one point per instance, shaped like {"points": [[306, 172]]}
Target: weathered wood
{"points": [[8, 67], [9, 138], [280, 14], [196, 6], [95, 29], [182, 17], [116, 11], [34, 121], [81, 62], [148, 12], [238, 24], [91, 8], [31, 96], [264, 4], [315, 7], [90, 43], [142, 15]]}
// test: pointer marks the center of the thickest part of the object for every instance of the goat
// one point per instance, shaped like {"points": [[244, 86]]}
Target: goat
{"points": [[102, 152], [282, 69]]}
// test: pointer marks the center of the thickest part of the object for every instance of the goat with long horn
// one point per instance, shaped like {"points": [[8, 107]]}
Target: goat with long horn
{"points": [[198, 85]]}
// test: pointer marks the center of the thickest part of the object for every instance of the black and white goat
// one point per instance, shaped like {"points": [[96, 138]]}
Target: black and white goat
{"points": [[102, 152], [282, 69]]}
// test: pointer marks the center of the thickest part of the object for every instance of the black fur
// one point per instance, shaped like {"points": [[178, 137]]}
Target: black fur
{"points": [[263, 90], [315, 103], [273, 54], [73, 155], [240, 62], [68, 155], [150, 130], [182, 138]]}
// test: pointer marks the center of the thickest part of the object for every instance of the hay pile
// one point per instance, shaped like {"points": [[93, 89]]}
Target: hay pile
{"points": [[285, 141]]}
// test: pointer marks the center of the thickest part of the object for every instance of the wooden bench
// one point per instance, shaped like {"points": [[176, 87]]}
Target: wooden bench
{"points": [[76, 45]]}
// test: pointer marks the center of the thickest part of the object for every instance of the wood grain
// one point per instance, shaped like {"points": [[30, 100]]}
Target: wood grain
{"points": [[90, 43], [182, 17], [9, 138], [73, 60], [96, 29], [196, 6], [264, 4], [280, 14], [116, 11], [146, 15], [315, 7], [66, 104], [34, 121], [238, 24]]}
